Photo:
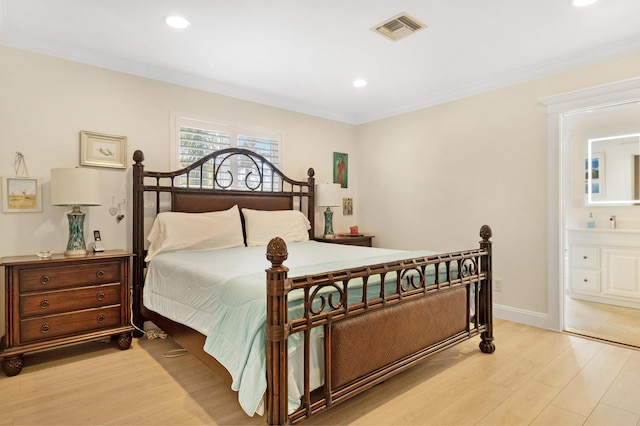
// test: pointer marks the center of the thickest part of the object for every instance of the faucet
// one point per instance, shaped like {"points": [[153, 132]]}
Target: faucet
{"points": [[612, 220]]}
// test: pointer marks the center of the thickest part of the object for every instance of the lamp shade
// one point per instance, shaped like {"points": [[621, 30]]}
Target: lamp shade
{"points": [[328, 195], [76, 186]]}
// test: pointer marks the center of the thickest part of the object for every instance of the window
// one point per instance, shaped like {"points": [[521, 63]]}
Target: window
{"points": [[197, 138]]}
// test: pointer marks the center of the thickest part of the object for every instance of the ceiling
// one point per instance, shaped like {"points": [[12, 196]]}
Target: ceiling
{"points": [[303, 55]]}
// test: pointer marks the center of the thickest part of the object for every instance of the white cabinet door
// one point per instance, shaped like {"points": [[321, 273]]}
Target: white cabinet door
{"points": [[621, 272]]}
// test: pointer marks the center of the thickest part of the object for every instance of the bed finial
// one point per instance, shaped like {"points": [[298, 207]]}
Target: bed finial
{"points": [[277, 332], [311, 173], [138, 156], [277, 251], [485, 232]]}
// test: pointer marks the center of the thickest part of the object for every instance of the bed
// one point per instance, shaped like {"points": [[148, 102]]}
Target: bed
{"points": [[324, 322]]}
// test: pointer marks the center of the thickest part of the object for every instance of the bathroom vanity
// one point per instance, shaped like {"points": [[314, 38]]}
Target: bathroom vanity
{"points": [[604, 266]]}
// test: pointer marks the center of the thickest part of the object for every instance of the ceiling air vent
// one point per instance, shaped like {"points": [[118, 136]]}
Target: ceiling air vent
{"points": [[399, 27]]}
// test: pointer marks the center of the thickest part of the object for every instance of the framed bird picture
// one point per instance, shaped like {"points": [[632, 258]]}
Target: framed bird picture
{"points": [[103, 150]]}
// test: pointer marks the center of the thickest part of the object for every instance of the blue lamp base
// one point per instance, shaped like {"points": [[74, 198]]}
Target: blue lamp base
{"points": [[76, 245], [328, 223]]}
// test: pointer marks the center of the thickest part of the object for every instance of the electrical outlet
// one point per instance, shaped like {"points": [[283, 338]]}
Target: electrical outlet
{"points": [[497, 285]]}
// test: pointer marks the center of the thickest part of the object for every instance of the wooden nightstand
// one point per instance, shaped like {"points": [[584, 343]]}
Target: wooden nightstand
{"points": [[63, 300], [361, 240]]}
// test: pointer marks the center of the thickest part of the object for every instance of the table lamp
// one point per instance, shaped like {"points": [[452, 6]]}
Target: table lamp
{"points": [[76, 187], [328, 195]]}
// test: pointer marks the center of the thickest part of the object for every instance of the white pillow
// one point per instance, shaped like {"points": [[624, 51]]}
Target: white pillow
{"points": [[176, 231], [262, 225]]}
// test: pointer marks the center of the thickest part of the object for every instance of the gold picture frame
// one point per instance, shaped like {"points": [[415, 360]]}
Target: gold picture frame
{"points": [[347, 206], [21, 194], [103, 150]]}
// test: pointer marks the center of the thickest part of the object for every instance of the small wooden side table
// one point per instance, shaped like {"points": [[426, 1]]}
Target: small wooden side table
{"points": [[63, 300]]}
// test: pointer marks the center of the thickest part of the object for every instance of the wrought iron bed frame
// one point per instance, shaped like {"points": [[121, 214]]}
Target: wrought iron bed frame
{"points": [[421, 315]]}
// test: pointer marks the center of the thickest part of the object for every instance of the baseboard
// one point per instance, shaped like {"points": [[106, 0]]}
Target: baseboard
{"points": [[534, 319]]}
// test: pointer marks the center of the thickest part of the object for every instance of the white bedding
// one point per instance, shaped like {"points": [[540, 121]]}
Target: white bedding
{"points": [[180, 287]]}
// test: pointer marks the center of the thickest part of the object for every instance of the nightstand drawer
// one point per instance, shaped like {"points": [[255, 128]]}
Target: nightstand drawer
{"points": [[364, 240], [54, 302], [352, 241], [47, 278], [70, 323]]}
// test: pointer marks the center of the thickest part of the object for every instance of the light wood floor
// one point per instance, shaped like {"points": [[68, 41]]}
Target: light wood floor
{"points": [[602, 321], [534, 377]]}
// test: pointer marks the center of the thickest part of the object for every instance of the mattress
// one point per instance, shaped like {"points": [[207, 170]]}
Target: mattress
{"points": [[221, 294]]}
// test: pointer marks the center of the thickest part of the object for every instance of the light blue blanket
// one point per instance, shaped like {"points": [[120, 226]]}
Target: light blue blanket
{"points": [[237, 337]]}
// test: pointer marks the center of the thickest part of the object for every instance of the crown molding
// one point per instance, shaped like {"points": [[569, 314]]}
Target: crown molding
{"points": [[600, 54]]}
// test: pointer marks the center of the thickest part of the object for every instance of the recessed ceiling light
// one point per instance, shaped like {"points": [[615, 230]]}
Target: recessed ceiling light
{"points": [[581, 3], [177, 22], [359, 82]]}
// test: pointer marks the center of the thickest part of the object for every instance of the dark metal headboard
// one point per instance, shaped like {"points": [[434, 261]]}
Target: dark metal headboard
{"points": [[211, 184]]}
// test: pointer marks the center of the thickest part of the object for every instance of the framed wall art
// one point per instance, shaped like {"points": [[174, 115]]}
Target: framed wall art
{"points": [[597, 188], [347, 206], [341, 169], [103, 150], [21, 194]]}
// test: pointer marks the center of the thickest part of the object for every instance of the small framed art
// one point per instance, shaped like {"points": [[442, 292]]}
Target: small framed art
{"points": [[103, 150], [347, 206], [21, 194], [597, 188], [341, 169]]}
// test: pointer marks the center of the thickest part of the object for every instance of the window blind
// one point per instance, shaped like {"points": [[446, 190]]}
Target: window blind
{"points": [[199, 138]]}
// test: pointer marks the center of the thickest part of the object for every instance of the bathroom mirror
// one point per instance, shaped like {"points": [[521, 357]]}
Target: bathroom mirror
{"points": [[612, 170]]}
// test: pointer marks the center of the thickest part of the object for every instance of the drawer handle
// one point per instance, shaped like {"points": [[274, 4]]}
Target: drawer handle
{"points": [[44, 328], [100, 274], [101, 296], [586, 280], [584, 257], [44, 304], [44, 280], [100, 318]]}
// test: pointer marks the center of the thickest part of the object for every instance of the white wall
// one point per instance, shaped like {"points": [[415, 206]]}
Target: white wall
{"points": [[434, 176], [426, 179], [45, 103]]}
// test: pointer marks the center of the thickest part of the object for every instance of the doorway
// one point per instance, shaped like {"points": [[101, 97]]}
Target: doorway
{"points": [[589, 318], [600, 145]]}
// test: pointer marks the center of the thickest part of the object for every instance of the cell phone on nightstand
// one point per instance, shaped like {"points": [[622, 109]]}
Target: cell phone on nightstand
{"points": [[97, 245]]}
